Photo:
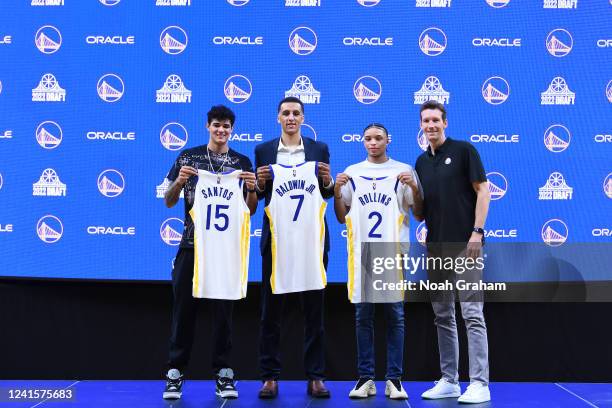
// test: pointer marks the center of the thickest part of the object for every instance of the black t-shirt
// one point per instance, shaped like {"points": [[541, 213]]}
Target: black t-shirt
{"points": [[203, 159], [449, 198]]}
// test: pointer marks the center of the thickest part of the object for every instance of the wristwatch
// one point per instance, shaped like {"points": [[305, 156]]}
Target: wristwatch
{"points": [[481, 232]]}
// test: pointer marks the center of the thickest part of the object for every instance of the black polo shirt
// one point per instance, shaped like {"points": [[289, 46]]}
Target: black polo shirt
{"points": [[449, 198]]}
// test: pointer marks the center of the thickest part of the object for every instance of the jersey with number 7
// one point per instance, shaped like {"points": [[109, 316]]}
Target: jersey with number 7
{"points": [[296, 211]]}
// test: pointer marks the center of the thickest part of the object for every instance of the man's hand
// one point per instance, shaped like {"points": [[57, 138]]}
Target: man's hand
{"points": [[249, 179], [185, 173], [325, 173], [341, 180], [474, 246], [407, 179], [263, 175]]}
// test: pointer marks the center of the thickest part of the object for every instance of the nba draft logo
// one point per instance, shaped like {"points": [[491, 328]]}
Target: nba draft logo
{"points": [[608, 89], [308, 131], [558, 93], [557, 138], [111, 183], [48, 39], [560, 4], [431, 90], [368, 3], [498, 185], [49, 135], [302, 41], [173, 136], [422, 140], [607, 185], [554, 232], [433, 3], [173, 3], [498, 3], [110, 2], [49, 229], [556, 188], [48, 90], [495, 90], [238, 3], [110, 88], [161, 189], [169, 231], [173, 40], [432, 41], [237, 89], [559, 42], [367, 90], [421, 234], [302, 3], [49, 185], [304, 90], [47, 3], [173, 91]]}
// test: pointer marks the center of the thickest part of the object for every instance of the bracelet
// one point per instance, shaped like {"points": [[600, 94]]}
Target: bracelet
{"points": [[250, 191]]}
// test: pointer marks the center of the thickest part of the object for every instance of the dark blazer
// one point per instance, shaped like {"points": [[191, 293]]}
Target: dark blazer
{"points": [[265, 153]]}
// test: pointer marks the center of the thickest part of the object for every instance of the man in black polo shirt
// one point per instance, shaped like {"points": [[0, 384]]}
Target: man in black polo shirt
{"points": [[456, 202]]}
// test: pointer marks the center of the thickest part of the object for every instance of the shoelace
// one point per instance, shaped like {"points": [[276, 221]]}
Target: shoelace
{"points": [[226, 382], [174, 384]]}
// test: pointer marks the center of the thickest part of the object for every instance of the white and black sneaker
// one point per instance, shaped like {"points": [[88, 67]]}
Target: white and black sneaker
{"points": [[225, 387], [174, 384], [394, 390], [364, 388]]}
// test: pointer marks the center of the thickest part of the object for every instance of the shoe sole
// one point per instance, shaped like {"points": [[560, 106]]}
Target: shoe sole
{"points": [[454, 395], [172, 395], [227, 394], [474, 402]]}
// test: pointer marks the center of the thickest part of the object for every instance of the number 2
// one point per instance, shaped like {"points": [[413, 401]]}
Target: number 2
{"points": [[375, 214]]}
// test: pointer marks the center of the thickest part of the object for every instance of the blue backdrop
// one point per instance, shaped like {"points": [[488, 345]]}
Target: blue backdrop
{"points": [[97, 97]]}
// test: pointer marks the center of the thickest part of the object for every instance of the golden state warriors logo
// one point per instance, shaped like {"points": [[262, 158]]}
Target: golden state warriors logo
{"points": [[49, 229], [495, 90], [608, 90], [422, 140], [48, 39], [110, 2], [49, 185], [555, 188], [302, 41], [304, 90], [421, 234], [557, 138], [169, 231], [607, 186], [308, 131], [559, 42], [498, 185], [173, 40], [110, 88], [431, 90], [49, 135], [498, 3], [48, 90], [111, 183], [367, 89], [432, 41], [173, 91], [237, 89], [558, 93], [173, 136], [554, 232], [238, 3], [368, 3]]}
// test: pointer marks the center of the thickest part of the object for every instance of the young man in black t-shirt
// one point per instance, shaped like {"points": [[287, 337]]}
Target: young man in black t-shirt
{"points": [[215, 157]]}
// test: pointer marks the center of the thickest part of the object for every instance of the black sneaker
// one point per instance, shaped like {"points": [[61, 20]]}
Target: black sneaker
{"points": [[174, 384], [225, 387]]}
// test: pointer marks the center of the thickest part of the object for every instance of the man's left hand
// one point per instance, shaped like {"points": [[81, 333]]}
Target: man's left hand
{"points": [[249, 179], [407, 179], [325, 173], [474, 246]]}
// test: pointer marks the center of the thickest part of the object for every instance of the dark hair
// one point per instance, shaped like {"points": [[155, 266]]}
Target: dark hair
{"points": [[221, 113], [433, 105], [292, 99], [377, 125]]}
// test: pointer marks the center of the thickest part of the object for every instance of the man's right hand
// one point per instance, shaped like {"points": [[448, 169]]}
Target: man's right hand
{"points": [[263, 175], [185, 173], [341, 179]]}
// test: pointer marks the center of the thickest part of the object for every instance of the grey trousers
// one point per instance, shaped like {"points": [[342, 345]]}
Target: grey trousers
{"points": [[448, 343]]}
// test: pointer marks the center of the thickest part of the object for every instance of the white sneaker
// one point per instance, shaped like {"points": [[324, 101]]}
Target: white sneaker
{"points": [[394, 390], [364, 388], [475, 393], [442, 389]]}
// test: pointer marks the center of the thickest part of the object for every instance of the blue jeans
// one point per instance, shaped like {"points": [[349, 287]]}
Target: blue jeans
{"points": [[364, 323]]}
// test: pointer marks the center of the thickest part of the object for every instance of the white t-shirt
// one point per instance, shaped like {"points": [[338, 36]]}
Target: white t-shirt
{"points": [[389, 168]]}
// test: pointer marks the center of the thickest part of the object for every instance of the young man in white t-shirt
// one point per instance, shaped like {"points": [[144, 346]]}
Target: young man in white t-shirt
{"points": [[379, 166]]}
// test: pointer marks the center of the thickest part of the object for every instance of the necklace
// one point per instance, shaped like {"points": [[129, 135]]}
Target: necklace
{"points": [[212, 167]]}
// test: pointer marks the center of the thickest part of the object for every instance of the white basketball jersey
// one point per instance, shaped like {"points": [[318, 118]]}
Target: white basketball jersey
{"points": [[296, 212], [221, 221], [374, 217]]}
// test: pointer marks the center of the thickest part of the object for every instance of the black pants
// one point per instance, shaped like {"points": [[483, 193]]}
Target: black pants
{"points": [[269, 335], [184, 313]]}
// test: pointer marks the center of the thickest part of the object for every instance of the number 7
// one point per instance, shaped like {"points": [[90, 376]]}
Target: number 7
{"points": [[299, 206]]}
